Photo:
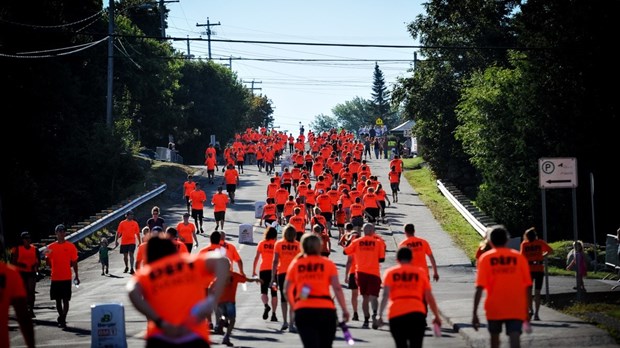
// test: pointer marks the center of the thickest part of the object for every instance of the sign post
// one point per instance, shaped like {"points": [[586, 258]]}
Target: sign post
{"points": [[558, 173]]}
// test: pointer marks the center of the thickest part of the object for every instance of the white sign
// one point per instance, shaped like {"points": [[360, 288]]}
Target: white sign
{"points": [[557, 172], [407, 133], [108, 325]]}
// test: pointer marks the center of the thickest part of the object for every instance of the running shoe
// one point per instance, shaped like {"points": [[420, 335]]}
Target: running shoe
{"points": [[126, 270], [132, 271], [292, 329], [284, 326], [226, 341], [365, 325], [536, 317], [375, 322], [273, 317], [266, 312], [355, 317]]}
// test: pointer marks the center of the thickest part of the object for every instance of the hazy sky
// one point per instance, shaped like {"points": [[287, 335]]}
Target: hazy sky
{"points": [[301, 90]]}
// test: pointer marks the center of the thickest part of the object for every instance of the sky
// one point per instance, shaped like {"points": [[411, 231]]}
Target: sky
{"points": [[299, 91]]}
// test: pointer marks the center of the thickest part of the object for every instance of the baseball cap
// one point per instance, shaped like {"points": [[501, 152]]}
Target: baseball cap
{"points": [[129, 212], [25, 234], [60, 227], [186, 215]]}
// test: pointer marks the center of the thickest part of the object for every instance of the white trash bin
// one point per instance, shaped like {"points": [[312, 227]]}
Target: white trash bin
{"points": [[108, 325], [246, 234], [258, 209]]}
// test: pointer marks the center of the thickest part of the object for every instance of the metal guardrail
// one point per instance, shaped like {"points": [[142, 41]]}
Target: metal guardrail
{"points": [[477, 225], [111, 217]]}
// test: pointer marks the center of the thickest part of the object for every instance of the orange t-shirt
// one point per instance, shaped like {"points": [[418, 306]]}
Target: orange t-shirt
{"points": [[211, 163], [288, 208], [266, 248], [128, 230], [504, 274], [11, 288], [269, 211], [141, 255], [286, 253], [368, 250], [231, 176], [534, 252], [230, 291], [27, 259], [420, 249], [188, 187], [219, 200], [186, 231], [198, 199], [356, 209], [315, 272], [299, 222], [407, 284], [166, 279], [60, 257], [231, 252]]}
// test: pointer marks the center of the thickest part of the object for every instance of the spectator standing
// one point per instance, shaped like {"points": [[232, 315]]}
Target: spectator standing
{"points": [[408, 291], [156, 219], [188, 186], [220, 203], [505, 276], [535, 250], [198, 198], [128, 230], [187, 232], [27, 259], [13, 294], [157, 297], [61, 257], [308, 281], [579, 264], [369, 252]]}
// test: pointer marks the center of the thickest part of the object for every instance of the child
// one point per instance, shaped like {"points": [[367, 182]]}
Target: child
{"points": [[103, 256], [226, 308], [579, 264]]}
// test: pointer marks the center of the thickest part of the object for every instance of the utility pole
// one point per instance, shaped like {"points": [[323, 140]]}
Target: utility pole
{"points": [[108, 119], [162, 16], [208, 25], [189, 55], [253, 88]]}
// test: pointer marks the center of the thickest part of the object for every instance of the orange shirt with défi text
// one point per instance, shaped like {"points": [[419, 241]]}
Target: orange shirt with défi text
{"points": [[231, 252], [265, 249], [59, 257], [420, 249], [534, 252], [181, 278], [368, 250], [188, 187], [198, 199], [128, 231], [315, 272], [407, 284], [11, 288], [286, 253], [298, 222], [219, 200], [231, 176], [505, 275]]}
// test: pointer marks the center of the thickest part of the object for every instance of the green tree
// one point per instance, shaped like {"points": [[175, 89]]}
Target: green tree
{"points": [[323, 123], [353, 114], [380, 94]]}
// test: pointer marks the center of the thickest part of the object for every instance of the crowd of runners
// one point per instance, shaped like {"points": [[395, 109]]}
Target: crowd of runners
{"points": [[327, 201]]}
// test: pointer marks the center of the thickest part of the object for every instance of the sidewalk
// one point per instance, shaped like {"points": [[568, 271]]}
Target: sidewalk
{"points": [[455, 290]]}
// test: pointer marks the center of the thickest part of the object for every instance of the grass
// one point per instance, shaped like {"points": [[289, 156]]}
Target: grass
{"points": [[604, 312]]}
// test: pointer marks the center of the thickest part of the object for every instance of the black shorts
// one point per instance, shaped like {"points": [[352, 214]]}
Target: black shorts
{"points": [[210, 171], [60, 290], [281, 278], [265, 276], [219, 215], [295, 181], [240, 163], [197, 213], [231, 187], [537, 279], [280, 207], [127, 248], [394, 186], [327, 216], [352, 284], [357, 221]]}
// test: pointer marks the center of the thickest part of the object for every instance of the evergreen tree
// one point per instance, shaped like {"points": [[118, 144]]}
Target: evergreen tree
{"points": [[380, 94]]}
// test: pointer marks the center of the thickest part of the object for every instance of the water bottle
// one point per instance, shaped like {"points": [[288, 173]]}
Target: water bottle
{"points": [[347, 334], [274, 286], [244, 286], [305, 292], [76, 283], [436, 330]]}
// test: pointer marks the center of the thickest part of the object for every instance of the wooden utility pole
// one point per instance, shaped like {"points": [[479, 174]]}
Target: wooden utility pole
{"points": [[208, 32]]}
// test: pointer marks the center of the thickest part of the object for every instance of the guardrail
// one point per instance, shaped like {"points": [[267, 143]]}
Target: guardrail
{"points": [[111, 217], [477, 225]]}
